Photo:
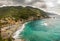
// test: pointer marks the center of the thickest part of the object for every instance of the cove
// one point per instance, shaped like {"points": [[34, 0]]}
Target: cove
{"points": [[42, 30]]}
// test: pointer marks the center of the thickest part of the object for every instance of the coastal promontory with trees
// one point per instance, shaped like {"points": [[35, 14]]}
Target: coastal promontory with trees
{"points": [[14, 16]]}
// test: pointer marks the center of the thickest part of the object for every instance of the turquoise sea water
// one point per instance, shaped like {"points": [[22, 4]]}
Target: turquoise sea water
{"points": [[42, 30]]}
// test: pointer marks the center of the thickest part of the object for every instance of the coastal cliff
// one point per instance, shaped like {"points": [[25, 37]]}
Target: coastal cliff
{"points": [[15, 15]]}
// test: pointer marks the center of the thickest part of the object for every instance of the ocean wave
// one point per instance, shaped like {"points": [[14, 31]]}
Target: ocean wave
{"points": [[16, 34]]}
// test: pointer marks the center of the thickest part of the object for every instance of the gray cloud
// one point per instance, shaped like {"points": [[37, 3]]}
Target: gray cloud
{"points": [[28, 3], [19, 2]]}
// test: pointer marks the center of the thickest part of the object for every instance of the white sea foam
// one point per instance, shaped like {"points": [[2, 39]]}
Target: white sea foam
{"points": [[16, 34], [45, 24]]}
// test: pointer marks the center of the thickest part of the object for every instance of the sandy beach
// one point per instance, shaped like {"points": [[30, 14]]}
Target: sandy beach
{"points": [[8, 31], [16, 34]]}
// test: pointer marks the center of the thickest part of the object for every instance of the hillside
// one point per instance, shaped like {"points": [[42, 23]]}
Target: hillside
{"points": [[21, 12]]}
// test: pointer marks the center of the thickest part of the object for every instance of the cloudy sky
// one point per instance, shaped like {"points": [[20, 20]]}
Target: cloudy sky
{"points": [[50, 5], [22, 2]]}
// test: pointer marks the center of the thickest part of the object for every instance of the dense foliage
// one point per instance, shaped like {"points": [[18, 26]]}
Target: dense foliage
{"points": [[21, 12]]}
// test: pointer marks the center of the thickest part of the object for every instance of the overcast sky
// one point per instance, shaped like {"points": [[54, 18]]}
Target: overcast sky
{"points": [[45, 4], [38, 3]]}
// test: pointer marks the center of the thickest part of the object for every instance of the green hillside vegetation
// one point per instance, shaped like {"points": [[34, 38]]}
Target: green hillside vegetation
{"points": [[19, 12]]}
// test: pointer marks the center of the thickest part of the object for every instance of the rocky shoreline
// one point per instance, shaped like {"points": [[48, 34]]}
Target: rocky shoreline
{"points": [[9, 30]]}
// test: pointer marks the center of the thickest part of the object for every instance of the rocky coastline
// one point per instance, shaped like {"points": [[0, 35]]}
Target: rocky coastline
{"points": [[11, 22]]}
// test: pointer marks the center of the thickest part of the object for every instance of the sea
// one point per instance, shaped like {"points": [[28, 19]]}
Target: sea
{"points": [[42, 30]]}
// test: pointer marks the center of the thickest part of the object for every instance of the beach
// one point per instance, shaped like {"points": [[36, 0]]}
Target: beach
{"points": [[20, 29], [8, 31]]}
